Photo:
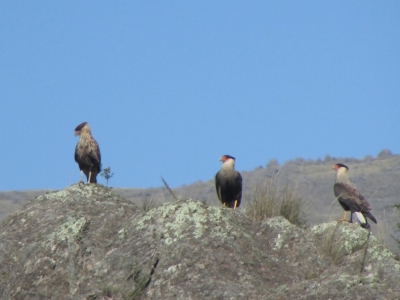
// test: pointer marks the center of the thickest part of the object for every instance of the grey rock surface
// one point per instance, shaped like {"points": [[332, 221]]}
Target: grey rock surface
{"points": [[86, 242]]}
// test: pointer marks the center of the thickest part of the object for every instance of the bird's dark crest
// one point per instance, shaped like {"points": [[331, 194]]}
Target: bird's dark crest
{"points": [[228, 156], [80, 126], [340, 165]]}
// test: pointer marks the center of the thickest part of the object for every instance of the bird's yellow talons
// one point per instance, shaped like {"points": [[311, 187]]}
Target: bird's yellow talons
{"points": [[223, 203], [344, 219], [234, 206]]}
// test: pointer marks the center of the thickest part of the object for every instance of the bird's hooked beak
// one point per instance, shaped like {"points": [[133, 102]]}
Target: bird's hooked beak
{"points": [[77, 132]]}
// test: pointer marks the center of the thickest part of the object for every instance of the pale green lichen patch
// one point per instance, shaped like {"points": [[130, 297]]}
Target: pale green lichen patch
{"points": [[321, 228], [67, 230], [350, 237], [349, 281], [122, 234], [85, 193], [344, 282], [278, 222], [182, 218], [378, 252], [278, 242], [284, 228], [353, 239], [63, 194], [349, 243], [281, 289]]}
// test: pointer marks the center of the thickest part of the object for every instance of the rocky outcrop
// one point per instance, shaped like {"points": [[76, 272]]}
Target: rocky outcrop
{"points": [[85, 242]]}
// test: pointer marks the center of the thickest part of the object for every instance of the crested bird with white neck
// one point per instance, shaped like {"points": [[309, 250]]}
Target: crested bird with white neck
{"points": [[228, 183], [87, 153], [350, 198]]}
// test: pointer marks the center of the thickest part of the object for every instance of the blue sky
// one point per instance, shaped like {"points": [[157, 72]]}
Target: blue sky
{"points": [[169, 86]]}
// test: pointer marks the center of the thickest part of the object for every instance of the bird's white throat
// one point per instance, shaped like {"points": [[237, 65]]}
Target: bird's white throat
{"points": [[228, 164], [342, 175]]}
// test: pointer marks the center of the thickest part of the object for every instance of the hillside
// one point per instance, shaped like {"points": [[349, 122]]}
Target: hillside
{"points": [[87, 242], [376, 177]]}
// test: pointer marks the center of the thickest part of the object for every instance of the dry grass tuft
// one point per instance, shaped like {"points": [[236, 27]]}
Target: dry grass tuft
{"points": [[333, 243], [395, 235], [382, 229], [292, 206], [270, 200], [148, 204], [333, 247], [263, 203]]}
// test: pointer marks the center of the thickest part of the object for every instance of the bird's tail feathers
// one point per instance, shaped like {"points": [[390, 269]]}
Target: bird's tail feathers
{"points": [[360, 217], [369, 215], [366, 226]]}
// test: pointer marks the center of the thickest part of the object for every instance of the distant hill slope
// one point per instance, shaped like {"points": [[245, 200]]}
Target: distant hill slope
{"points": [[376, 177], [11, 201]]}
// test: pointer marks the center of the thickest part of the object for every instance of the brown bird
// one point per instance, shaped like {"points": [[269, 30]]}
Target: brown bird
{"points": [[350, 198], [228, 183], [87, 153]]}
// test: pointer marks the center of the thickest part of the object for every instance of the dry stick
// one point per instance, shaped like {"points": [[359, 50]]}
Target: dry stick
{"points": [[372, 195], [168, 188], [336, 199], [365, 252]]}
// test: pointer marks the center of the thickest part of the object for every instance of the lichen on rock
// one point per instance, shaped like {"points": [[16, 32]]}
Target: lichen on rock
{"points": [[86, 242]]}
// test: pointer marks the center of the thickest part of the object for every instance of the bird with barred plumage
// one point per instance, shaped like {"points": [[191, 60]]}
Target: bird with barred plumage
{"points": [[87, 153], [350, 198]]}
